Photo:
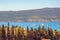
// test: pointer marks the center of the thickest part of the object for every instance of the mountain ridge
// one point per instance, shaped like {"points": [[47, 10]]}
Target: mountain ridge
{"points": [[35, 15]]}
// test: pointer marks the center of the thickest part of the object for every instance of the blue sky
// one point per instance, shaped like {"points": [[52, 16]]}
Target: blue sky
{"points": [[27, 4]]}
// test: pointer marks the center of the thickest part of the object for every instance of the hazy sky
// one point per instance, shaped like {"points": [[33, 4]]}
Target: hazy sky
{"points": [[27, 4]]}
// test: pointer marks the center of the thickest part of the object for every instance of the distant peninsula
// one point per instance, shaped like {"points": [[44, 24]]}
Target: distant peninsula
{"points": [[34, 15]]}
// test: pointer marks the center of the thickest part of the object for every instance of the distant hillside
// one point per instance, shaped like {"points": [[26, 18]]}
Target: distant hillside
{"points": [[35, 15]]}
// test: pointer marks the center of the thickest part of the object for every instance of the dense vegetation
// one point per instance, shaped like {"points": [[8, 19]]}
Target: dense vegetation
{"points": [[19, 33]]}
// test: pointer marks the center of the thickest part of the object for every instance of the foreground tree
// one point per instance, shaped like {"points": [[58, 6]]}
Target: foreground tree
{"points": [[8, 32], [3, 33]]}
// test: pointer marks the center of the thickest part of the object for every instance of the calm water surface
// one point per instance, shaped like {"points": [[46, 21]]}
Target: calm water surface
{"points": [[53, 25]]}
